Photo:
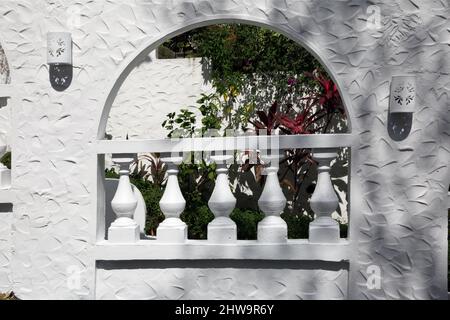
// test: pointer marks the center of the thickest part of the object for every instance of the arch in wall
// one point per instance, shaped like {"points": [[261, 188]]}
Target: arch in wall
{"points": [[128, 65], [310, 41], [151, 44]]}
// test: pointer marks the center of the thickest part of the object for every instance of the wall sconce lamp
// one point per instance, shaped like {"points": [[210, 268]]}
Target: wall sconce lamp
{"points": [[59, 59], [402, 103]]}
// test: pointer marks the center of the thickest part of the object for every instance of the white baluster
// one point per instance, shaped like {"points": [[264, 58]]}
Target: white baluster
{"points": [[172, 204], [324, 201], [124, 229], [272, 228], [222, 202]]}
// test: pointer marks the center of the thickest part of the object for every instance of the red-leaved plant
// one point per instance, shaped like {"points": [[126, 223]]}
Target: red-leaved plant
{"points": [[313, 114]]}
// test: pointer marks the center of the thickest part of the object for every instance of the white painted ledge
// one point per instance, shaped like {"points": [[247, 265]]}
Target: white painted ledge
{"points": [[6, 90], [242, 250], [6, 196]]}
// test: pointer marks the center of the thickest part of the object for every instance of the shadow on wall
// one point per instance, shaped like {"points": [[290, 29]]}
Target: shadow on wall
{"points": [[410, 255]]}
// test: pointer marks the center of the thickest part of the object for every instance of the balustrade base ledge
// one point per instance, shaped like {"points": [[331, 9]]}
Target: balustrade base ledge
{"points": [[298, 249]]}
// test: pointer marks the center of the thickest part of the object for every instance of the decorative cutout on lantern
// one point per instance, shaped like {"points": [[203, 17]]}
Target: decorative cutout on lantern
{"points": [[403, 94], [59, 58], [59, 48]]}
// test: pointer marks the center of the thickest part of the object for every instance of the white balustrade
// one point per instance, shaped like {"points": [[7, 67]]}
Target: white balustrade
{"points": [[124, 229], [324, 201], [222, 202], [272, 228], [172, 204]]}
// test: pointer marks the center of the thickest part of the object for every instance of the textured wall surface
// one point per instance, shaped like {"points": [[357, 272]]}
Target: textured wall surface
{"points": [[152, 90], [5, 217], [399, 188], [5, 111], [5, 251], [222, 280]]}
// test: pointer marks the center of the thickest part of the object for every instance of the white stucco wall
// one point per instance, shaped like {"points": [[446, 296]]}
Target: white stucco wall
{"points": [[155, 88], [5, 251], [5, 111], [399, 188], [226, 280]]}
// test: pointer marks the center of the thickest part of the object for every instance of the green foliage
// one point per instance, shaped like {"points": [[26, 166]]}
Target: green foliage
{"points": [[197, 219], [196, 183], [210, 108], [152, 194], [343, 230], [165, 53], [111, 174], [240, 54], [234, 50], [298, 225], [6, 159], [181, 124], [247, 223]]}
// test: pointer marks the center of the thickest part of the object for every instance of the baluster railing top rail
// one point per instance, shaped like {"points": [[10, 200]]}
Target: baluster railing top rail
{"points": [[262, 142]]}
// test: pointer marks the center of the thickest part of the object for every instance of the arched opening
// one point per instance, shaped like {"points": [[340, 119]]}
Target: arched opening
{"points": [[145, 52], [142, 53]]}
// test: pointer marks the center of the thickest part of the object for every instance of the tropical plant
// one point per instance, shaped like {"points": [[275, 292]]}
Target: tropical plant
{"points": [[181, 124], [150, 167], [247, 223], [267, 121]]}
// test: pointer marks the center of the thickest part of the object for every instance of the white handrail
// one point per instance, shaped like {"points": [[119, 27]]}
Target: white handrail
{"points": [[224, 143]]}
